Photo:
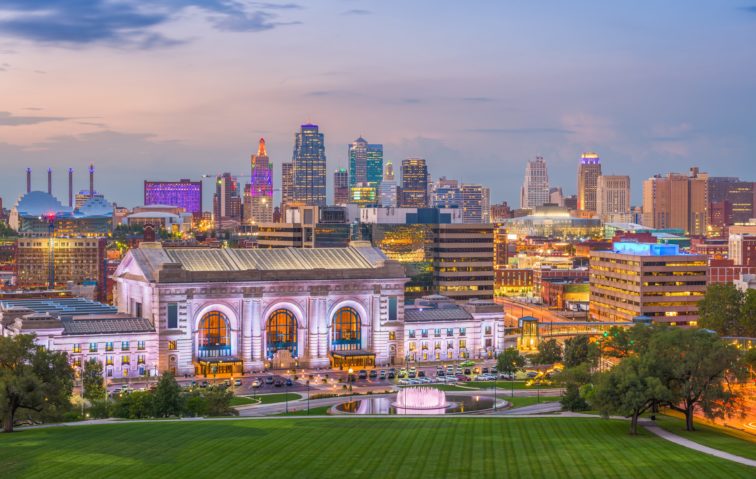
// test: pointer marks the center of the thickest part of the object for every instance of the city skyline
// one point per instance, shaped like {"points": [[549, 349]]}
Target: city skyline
{"points": [[184, 107]]}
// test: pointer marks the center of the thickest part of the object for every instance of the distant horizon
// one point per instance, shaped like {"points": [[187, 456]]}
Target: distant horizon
{"points": [[166, 89]]}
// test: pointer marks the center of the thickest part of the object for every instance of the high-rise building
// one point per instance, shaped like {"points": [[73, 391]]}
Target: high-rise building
{"points": [[340, 187], [363, 194], [261, 186], [387, 190], [556, 197], [414, 193], [535, 189], [500, 212], [78, 260], [309, 166], [445, 193], [287, 183], [463, 261], [677, 201], [365, 163], [472, 203], [184, 193], [647, 279], [588, 173], [486, 205], [227, 202], [742, 249], [613, 198]]}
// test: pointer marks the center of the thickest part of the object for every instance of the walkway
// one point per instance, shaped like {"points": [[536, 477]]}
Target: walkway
{"points": [[664, 434]]}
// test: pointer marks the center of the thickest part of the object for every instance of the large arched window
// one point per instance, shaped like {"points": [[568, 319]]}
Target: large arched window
{"points": [[346, 330], [281, 332], [214, 335]]}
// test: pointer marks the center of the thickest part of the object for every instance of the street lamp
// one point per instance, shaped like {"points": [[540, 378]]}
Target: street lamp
{"points": [[308, 397]]}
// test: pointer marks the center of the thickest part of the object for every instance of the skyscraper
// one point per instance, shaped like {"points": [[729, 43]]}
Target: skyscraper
{"points": [[588, 173], [445, 193], [287, 183], [472, 203], [340, 187], [261, 190], [387, 189], [365, 163], [613, 198], [677, 201], [414, 192], [309, 166], [227, 202], [535, 189]]}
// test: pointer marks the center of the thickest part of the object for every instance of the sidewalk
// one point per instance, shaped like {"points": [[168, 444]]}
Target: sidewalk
{"points": [[664, 434]]}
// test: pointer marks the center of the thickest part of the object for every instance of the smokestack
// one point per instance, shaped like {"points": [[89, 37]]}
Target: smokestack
{"points": [[28, 180], [70, 187], [49, 181], [91, 180]]}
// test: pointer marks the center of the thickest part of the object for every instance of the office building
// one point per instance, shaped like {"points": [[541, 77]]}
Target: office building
{"points": [[307, 227], [309, 161], [227, 202], [742, 250], [556, 197], [261, 187], [363, 194], [184, 193], [613, 198], [733, 197], [535, 189], [472, 203], [387, 191], [414, 192], [677, 201], [340, 187], [53, 262], [287, 183], [588, 172], [445, 193], [463, 261], [365, 163], [647, 279]]}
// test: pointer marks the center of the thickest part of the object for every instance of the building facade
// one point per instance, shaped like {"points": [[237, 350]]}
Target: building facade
{"points": [[677, 201], [535, 189], [387, 191], [227, 202], [309, 162], [463, 261], [340, 187], [261, 186], [473, 203], [414, 191], [613, 198], [287, 183], [365, 163], [184, 193], [647, 279], [53, 262], [589, 171]]}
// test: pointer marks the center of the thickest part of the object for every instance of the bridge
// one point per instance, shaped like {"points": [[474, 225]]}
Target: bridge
{"points": [[533, 331]]}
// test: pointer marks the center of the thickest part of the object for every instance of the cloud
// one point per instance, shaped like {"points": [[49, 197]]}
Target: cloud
{"points": [[522, 131], [357, 11], [478, 99], [127, 23], [4, 67], [751, 9], [8, 119]]}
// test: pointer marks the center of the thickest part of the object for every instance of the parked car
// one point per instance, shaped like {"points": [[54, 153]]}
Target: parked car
{"points": [[463, 378], [532, 374], [203, 384], [402, 373], [451, 379], [440, 372], [391, 375], [256, 383], [468, 371], [506, 376], [421, 374], [485, 370], [237, 382], [476, 370], [362, 374], [404, 382], [458, 371], [269, 380], [383, 374], [278, 383], [449, 370], [289, 382], [412, 375], [373, 374]]}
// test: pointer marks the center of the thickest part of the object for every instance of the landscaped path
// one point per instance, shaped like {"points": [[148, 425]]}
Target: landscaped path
{"points": [[664, 434]]}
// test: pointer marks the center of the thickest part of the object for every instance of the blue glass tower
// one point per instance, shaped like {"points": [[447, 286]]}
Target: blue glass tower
{"points": [[309, 166]]}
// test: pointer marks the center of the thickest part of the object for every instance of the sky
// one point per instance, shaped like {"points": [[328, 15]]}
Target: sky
{"points": [[169, 89]]}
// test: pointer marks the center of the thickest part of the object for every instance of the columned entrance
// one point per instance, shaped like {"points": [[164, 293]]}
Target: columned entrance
{"points": [[281, 334]]}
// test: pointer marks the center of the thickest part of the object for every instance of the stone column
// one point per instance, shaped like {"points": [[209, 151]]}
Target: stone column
{"points": [[253, 353], [246, 331], [322, 309]]}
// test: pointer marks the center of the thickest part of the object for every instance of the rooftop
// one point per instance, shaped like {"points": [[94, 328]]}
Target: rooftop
{"points": [[106, 324], [59, 307]]}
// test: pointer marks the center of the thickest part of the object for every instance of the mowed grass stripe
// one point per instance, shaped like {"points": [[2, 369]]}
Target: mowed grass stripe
{"points": [[355, 447]]}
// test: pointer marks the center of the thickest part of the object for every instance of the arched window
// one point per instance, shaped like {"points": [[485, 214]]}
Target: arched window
{"points": [[281, 332], [214, 335], [346, 330]]}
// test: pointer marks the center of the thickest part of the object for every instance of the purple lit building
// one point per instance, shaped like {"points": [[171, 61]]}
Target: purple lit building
{"points": [[184, 193]]}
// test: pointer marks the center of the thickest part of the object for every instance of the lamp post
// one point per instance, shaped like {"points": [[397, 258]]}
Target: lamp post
{"points": [[308, 397], [286, 397]]}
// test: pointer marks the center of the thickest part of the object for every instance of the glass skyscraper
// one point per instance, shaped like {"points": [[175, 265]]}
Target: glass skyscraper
{"points": [[414, 192], [309, 166], [365, 163]]}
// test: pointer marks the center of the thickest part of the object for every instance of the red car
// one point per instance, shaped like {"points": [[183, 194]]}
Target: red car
{"points": [[463, 378]]}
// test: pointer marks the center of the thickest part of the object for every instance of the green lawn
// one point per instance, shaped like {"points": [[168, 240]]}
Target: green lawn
{"points": [[242, 400], [355, 447], [314, 411], [735, 442], [521, 401], [264, 399]]}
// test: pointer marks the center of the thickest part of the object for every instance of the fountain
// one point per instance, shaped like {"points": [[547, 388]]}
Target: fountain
{"points": [[421, 400]]}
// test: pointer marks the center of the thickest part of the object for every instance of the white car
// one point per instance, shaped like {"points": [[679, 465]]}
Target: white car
{"points": [[404, 382]]}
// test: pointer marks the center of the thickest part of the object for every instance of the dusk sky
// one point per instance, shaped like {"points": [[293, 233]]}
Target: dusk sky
{"points": [[150, 89]]}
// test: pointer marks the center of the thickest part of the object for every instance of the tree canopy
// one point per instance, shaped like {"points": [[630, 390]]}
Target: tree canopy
{"points": [[93, 380], [549, 352], [728, 311]]}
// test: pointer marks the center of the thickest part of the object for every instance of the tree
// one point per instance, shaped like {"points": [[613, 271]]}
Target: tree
{"points": [[510, 362], [728, 311], [579, 350], [168, 397], [629, 389], [31, 378], [549, 352], [574, 378], [697, 367], [93, 381], [218, 402]]}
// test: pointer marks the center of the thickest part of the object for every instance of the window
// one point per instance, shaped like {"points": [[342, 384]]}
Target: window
{"points": [[108, 360], [172, 345], [214, 335], [77, 348], [424, 333], [450, 345], [124, 345], [449, 354], [438, 355], [462, 343], [346, 330], [437, 333], [140, 345], [109, 346], [76, 362], [392, 335], [172, 315], [488, 330], [412, 346], [125, 372], [137, 309], [437, 345], [140, 359], [92, 347], [281, 332], [393, 308], [425, 346], [412, 334], [126, 359], [449, 332], [462, 331]]}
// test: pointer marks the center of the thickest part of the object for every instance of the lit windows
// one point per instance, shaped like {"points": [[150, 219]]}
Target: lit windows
{"points": [[76, 348], [172, 345], [92, 347]]}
